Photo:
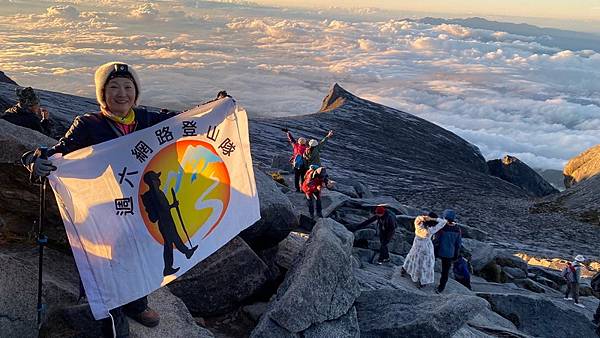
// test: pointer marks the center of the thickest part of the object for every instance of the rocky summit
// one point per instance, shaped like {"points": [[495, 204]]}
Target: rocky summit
{"points": [[291, 276]]}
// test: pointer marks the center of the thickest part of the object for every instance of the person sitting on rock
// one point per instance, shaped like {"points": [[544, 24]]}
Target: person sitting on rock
{"points": [[298, 164], [28, 113], [386, 226], [572, 274], [314, 180], [312, 155], [461, 272], [420, 260], [449, 241]]}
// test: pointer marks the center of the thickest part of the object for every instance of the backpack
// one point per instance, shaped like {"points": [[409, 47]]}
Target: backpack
{"points": [[298, 162], [595, 284], [569, 272]]}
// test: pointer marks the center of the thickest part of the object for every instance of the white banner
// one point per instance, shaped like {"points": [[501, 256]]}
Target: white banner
{"points": [[144, 208]]}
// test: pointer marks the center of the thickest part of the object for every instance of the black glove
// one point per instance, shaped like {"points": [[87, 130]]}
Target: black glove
{"points": [[285, 130]]}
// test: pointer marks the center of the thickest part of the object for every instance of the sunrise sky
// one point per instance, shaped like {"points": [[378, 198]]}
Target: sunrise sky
{"points": [[530, 92]]}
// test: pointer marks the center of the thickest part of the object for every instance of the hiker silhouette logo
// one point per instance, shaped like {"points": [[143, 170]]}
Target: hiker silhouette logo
{"points": [[184, 191]]}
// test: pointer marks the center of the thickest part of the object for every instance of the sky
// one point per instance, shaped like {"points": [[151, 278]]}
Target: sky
{"points": [[504, 92]]}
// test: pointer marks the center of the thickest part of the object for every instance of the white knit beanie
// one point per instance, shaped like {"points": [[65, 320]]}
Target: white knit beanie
{"points": [[101, 77]]}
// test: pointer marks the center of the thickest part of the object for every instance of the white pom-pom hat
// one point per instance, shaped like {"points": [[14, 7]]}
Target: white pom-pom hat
{"points": [[111, 70]]}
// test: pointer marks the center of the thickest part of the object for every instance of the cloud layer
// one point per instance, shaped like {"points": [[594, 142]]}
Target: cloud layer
{"points": [[505, 93]]}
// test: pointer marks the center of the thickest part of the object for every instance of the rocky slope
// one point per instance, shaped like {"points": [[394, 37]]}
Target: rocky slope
{"points": [[320, 281], [582, 166], [512, 170]]}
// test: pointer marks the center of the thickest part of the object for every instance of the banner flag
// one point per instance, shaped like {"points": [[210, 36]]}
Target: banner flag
{"points": [[144, 208]]}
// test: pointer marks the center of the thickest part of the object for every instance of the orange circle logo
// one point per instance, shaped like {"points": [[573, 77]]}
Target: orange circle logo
{"points": [[185, 188]]}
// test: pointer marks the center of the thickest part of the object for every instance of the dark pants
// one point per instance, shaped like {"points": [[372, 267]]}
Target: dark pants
{"points": [[120, 317], [597, 314], [316, 197], [299, 177], [446, 264], [384, 252], [573, 289]]}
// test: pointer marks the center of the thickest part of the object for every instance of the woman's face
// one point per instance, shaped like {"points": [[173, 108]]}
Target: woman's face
{"points": [[119, 94]]}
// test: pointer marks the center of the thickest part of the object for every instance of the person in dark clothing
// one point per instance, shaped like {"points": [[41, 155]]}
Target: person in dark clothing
{"points": [[117, 91], [461, 272], [159, 210], [314, 181], [28, 113], [386, 224], [450, 240]]}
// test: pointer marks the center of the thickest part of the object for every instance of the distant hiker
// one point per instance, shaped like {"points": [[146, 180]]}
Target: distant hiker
{"points": [[28, 113], [449, 239], [386, 226], [159, 211], [572, 273], [420, 261], [461, 272], [118, 90], [314, 180], [298, 163], [595, 284], [312, 155]]}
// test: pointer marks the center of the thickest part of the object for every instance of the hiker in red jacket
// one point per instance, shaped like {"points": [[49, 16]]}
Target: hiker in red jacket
{"points": [[314, 181], [298, 163]]}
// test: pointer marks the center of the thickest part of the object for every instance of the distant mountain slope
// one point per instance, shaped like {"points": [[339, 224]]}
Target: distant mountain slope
{"points": [[550, 37], [513, 170]]}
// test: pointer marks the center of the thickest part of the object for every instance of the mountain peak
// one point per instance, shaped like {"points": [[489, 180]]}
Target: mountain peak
{"points": [[337, 97]]}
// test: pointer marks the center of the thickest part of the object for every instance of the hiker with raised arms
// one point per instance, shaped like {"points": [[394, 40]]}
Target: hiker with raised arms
{"points": [[312, 155], [297, 160], [420, 261], [118, 91]]}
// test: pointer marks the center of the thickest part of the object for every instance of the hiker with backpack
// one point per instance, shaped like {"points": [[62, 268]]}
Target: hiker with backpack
{"points": [[312, 155], [314, 180], [461, 272], [386, 226], [117, 91], [572, 273], [298, 163], [447, 246], [420, 260]]}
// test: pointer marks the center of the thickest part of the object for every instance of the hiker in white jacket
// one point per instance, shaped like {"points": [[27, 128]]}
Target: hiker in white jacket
{"points": [[420, 261]]}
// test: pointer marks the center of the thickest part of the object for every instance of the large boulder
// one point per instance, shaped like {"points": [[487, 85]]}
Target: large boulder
{"points": [[19, 198], [512, 170], [223, 280], [401, 313], [318, 292], [277, 215], [481, 253], [582, 166], [175, 320], [541, 316]]}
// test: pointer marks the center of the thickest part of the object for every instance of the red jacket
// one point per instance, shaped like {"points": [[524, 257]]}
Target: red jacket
{"points": [[299, 149], [312, 183]]}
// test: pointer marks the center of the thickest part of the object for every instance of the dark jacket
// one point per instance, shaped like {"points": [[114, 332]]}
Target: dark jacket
{"points": [[385, 223], [94, 128], [25, 118], [450, 239]]}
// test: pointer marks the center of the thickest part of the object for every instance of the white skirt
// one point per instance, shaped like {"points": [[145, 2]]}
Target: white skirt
{"points": [[420, 261]]}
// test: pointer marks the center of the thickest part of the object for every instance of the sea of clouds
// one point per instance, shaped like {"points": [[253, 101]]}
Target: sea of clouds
{"points": [[506, 93]]}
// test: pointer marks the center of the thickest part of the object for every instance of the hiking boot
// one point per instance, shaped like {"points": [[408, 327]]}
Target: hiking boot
{"points": [[169, 271], [580, 305], [379, 262], [190, 252], [148, 317], [438, 290], [386, 260], [403, 272], [568, 298]]}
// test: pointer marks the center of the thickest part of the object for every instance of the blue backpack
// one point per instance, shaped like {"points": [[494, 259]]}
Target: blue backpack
{"points": [[298, 162]]}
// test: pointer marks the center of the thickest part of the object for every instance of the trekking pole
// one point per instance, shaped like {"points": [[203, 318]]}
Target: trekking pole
{"points": [[181, 218], [42, 240]]}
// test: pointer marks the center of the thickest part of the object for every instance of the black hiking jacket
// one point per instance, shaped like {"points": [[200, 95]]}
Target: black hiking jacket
{"points": [[385, 223], [25, 118]]}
